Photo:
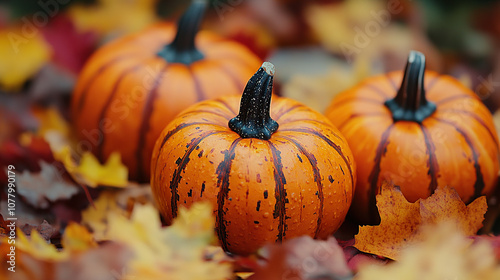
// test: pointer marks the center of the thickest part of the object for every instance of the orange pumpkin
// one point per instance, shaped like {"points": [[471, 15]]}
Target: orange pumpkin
{"points": [[131, 88], [267, 182], [431, 131]]}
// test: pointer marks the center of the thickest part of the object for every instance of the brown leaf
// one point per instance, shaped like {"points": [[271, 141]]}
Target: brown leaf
{"points": [[304, 258], [42, 188], [401, 220]]}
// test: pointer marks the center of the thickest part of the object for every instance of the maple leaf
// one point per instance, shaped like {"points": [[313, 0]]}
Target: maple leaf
{"points": [[88, 171], [21, 56], [42, 188], [442, 253], [114, 16], [401, 220], [304, 258], [96, 217]]}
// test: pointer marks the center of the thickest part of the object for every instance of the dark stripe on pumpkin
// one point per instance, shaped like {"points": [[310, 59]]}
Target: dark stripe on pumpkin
{"points": [[477, 118], [432, 162], [213, 112], [453, 98], [317, 178], [200, 93], [432, 83], [279, 192], [281, 114], [147, 112], [479, 184], [378, 91], [359, 99], [223, 171], [181, 165], [391, 82], [96, 74], [228, 107], [107, 104], [354, 116], [236, 81], [331, 144], [375, 173]]}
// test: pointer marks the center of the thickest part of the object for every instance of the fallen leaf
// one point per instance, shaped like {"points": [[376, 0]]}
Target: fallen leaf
{"points": [[96, 216], [23, 51], [356, 259], [46, 230], [494, 242], [304, 258], [442, 253], [400, 219], [114, 16], [42, 188]]}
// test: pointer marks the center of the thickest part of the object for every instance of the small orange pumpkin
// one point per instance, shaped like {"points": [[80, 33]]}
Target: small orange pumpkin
{"points": [[267, 182], [131, 88], [431, 131]]}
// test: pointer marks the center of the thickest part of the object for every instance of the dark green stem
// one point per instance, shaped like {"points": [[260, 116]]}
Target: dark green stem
{"points": [[410, 103], [254, 120], [183, 49]]}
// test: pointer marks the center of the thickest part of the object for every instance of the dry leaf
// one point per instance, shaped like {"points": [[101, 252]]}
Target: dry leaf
{"points": [[114, 16], [23, 51], [96, 216], [304, 258], [42, 188], [443, 253], [400, 220]]}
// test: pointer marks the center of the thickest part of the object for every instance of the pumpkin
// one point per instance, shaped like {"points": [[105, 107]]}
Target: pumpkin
{"points": [[431, 131], [274, 171], [132, 87]]}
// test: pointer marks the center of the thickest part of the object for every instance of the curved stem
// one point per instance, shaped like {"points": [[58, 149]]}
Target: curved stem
{"points": [[410, 103], [254, 120], [183, 49]]}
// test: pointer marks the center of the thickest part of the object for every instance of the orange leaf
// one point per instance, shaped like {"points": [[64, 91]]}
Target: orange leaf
{"points": [[401, 220]]}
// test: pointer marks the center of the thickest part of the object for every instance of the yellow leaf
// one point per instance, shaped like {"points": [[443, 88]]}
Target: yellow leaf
{"points": [[38, 247], [77, 238], [22, 55], [114, 16], [444, 253], [96, 217]]}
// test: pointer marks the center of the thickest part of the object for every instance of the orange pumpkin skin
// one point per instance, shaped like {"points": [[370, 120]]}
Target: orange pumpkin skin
{"points": [[455, 146], [127, 93], [299, 182]]}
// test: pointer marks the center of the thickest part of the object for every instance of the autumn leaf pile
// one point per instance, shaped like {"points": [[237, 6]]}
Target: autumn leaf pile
{"points": [[78, 218]]}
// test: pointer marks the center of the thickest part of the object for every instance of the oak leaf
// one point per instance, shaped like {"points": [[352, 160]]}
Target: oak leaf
{"points": [[442, 253], [401, 220]]}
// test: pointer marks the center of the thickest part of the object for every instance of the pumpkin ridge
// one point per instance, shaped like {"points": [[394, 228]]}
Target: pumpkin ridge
{"points": [[433, 82], [375, 173], [478, 119], [317, 178], [288, 110], [377, 90], [309, 121], [176, 177], [107, 104], [331, 144], [228, 107], [222, 115], [432, 162], [223, 171], [145, 125], [237, 83], [391, 81], [357, 99], [90, 81], [279, 192], [452, 98], [479, 184], [306, 130], [354, 116], [200, 93]]}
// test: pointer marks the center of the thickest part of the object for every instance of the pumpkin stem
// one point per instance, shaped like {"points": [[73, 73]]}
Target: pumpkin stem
{"points": [[182, 49], [410, 103], [254, 120]]}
